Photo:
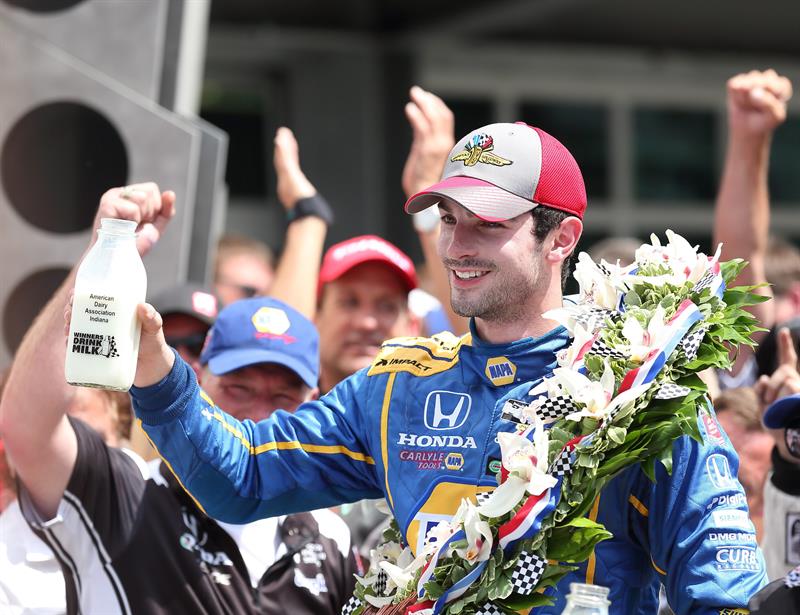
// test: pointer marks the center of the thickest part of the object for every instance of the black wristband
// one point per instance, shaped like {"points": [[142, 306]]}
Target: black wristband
{"points": [[315, 206]]}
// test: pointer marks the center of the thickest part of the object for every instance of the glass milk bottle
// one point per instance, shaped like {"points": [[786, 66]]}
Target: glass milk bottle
{"points": [[586, 599], [103, 342]]}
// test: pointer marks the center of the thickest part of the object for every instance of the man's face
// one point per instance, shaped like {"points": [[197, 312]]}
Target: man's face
{"points": [[256, 391], [240, 276], [495, 269], [186, 334], [358, 312]]}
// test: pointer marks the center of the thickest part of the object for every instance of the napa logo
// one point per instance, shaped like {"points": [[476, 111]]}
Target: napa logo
{"points": [[500, 371], [454, 461]]}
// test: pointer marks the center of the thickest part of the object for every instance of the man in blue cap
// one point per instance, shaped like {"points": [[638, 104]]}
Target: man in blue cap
{"points": [[128, 537]]}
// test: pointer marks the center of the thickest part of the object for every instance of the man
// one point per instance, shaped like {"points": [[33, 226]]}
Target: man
{"points": [[363, 300], [512, 200], [128, 537], [244, 268], [757, 106], [188, 311]]}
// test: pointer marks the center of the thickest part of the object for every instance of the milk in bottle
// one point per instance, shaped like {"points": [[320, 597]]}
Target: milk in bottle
{"points": [[104, 332]]}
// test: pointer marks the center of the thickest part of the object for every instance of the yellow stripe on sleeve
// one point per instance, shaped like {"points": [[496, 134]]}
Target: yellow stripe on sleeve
{"points": [[592, 560], [637, 504], [387, 399]]}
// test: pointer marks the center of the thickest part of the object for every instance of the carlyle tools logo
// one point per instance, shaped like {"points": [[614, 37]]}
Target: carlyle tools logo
{"points": [[500, 371], [479, 149], [97, 344]]}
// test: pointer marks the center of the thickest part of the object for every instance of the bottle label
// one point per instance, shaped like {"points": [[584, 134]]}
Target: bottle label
{"points": [[94, 344]]}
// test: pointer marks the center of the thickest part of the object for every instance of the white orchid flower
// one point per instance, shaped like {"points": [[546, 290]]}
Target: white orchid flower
{"points": [[565, 316], [378, 601], [438, 534], [478, 533], [640, 340], [683, 259], [526, 463], [398, 577], [598, 287], [581, 336], [593, 394]]}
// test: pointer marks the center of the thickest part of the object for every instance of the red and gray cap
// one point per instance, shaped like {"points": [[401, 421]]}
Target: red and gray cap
{"points": [[500, 171]]}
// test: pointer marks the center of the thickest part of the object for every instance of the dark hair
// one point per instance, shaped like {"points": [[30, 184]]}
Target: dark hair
{"points": [[545, 220]]}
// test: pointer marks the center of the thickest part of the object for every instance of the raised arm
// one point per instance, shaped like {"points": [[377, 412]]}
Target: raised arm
{"points": [[296, 276], [756, 107], [433, 127], [39, 441]]}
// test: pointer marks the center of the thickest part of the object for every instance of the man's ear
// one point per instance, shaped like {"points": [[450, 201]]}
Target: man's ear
{"points": [[414, 324], [564, 239], [313, 394]]}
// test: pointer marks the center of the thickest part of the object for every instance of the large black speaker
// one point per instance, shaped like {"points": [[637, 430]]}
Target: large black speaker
{"points": [[77, 116]]}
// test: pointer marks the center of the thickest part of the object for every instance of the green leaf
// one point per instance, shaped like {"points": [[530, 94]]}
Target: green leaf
{"points": [[502, 588], [516, 603], [433, 589], [617, 434], [575, 542]]}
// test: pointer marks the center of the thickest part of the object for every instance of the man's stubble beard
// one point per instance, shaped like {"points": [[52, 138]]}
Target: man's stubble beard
{"points": [[507, 300]]}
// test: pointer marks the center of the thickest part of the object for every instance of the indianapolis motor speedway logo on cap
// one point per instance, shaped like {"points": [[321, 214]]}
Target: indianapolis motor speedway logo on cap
{"points": [[479, 149], [500, 371]]}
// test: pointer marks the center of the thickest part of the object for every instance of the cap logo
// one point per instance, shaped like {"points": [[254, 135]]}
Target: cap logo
{"points": [[273, 323], [479, 149]]}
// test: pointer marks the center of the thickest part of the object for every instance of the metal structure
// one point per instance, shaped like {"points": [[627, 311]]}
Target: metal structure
{"points": [[80, 114]]}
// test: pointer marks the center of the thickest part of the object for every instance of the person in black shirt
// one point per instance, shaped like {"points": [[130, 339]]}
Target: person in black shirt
{"points": [[128, 537]]}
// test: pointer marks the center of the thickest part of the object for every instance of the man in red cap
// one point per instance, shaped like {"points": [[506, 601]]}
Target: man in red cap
{"points": [[363, 301]]}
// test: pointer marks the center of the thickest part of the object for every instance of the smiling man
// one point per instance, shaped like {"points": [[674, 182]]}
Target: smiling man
{"points": [[363, 301], [419, 426]]}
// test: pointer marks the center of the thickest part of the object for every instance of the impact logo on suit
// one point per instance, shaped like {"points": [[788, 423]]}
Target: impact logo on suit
{"points": [[719, 472], [500, 371], [446, 410]]}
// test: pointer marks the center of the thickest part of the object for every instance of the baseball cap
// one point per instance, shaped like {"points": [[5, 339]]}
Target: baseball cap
{"points": [[500, 171], [190, 299], [784, 412], [343, 256], [262, 330]]}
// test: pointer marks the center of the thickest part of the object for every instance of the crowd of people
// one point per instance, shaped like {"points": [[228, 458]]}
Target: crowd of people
{"points": [[273, 413]]}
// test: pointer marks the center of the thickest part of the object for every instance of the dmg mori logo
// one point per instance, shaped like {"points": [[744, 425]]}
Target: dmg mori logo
{"points": [[446, 410], [500, 371]]}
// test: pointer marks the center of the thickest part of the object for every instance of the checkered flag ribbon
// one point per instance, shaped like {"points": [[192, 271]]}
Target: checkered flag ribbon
{"points": [[670, 390], [489, 609], [351, 605], [527, 572], [600, 348], [593, 319], [483, 496], [705, 281], [603, 269], [691, 343], [562, 464], [554, 408], [380, 582], [793, 578]]}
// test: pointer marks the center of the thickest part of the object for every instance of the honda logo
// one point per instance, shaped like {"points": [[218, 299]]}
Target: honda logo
{"points": [[719, 472], [446, 410]]}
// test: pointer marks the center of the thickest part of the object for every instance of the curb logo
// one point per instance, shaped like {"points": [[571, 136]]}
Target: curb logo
{"points": [[454, 461], [479, 149], [500, 371]]}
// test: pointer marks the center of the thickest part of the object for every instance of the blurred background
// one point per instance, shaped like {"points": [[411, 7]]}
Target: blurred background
{"points": [[101, 93]]}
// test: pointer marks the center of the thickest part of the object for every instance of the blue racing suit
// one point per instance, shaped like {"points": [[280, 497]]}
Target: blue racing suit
{"points": [[419, 428]]}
